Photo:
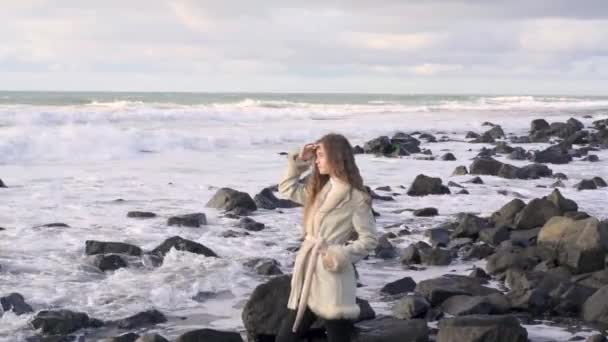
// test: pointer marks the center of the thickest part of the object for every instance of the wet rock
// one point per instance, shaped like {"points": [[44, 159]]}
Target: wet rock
{"points": [[448, 157], [210, 335], [267, 200], [2, 185], [438, 236], [109, 262], [426, 212], [410, 307], [53, 225], [229, 199], [494, 236], [424, 185], [561, 202], [481, 328], [16, 303], [62, 322], [182, 244], [93, 247], [460, 170], [579, 245], [189, 220], [128, 337], [151, 338], [536, 213], [401, 286], [385, 249], [141, 214], [250, 224], [142, 319], [494, 304], [512, 258], [264, 266], [437, 290], [391, 329], [507, 214]]}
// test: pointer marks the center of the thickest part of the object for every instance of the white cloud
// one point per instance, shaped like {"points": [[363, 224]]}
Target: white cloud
{"points": [[392, 41], [563, 35], [428, 69]]}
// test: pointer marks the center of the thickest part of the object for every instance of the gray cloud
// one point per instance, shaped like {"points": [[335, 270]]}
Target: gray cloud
{"points": [[360, 45]]}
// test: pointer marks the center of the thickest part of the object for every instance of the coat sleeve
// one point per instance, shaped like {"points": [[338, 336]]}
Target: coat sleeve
{"points": [[289, 186], [365, 225]]}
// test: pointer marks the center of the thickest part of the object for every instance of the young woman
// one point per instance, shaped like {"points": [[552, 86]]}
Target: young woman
{"points": [[336, 204]]}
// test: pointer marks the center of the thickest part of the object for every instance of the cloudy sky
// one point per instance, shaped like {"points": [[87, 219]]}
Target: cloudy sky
{"points": [[398, 46]]}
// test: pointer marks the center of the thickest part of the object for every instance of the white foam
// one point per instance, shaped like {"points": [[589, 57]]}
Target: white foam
{"points": [[72, 172]]}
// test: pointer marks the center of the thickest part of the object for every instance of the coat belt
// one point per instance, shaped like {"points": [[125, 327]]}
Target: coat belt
{"points": [[314, 244]]}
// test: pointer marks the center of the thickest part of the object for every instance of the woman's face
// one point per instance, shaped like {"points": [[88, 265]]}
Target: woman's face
{"points": [[321, 160]]}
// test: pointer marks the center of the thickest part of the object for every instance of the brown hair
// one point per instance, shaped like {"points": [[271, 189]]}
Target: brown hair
{"points": [[341, 160]]}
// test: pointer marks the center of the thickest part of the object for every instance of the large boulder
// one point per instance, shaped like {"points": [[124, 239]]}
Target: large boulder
{"points": [[400, 286], [409, 307], [469, 226], [561, 202], [267, 306], [557, 154], [406, 142], [485, 166], [182, 244], [494, 304], [512, 258], [424, 185], [538, 125], [437, 290], [580, 245], [595, 308], [93, 247], [481, 328], [506, 215], [229, 199], [536, 213]]}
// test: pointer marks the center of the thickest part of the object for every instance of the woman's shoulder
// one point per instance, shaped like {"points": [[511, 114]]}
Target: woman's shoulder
{"points": [[360, 197]]}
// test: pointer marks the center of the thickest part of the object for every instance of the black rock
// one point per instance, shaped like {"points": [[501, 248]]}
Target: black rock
{"points": [[16, 303], [210, 335], [189, 220], [228, 199], [62, 322], [448, 157], [437, 290], [264, 266], [251, 225], [586, 184], [2, 185], [391, 329], [472, 135], [128, 337], [438, 236], [182, 244], [93, 247], [426, 212], [142, 319], [385, 249], [409, 307], [109, 262], [424, 185], [481, 328], [401, 286], [53, 225], [460, 170], [267, 200], [141, 214], [560, 176]]}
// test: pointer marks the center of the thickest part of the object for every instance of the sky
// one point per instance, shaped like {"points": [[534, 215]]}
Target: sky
{"points": [[379, 46]]}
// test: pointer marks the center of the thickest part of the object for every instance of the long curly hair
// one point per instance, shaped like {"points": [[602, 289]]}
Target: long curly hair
{"points": [[341, 159]]}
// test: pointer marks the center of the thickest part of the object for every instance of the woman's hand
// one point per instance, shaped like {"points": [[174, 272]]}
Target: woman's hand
{"points": [[329, 263], [308, 152]]}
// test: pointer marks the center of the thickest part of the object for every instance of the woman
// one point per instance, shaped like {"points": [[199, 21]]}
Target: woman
{"points": [[336, 204]]}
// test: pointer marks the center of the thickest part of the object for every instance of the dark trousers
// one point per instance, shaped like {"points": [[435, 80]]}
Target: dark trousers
{"points": [[338, 330]]}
